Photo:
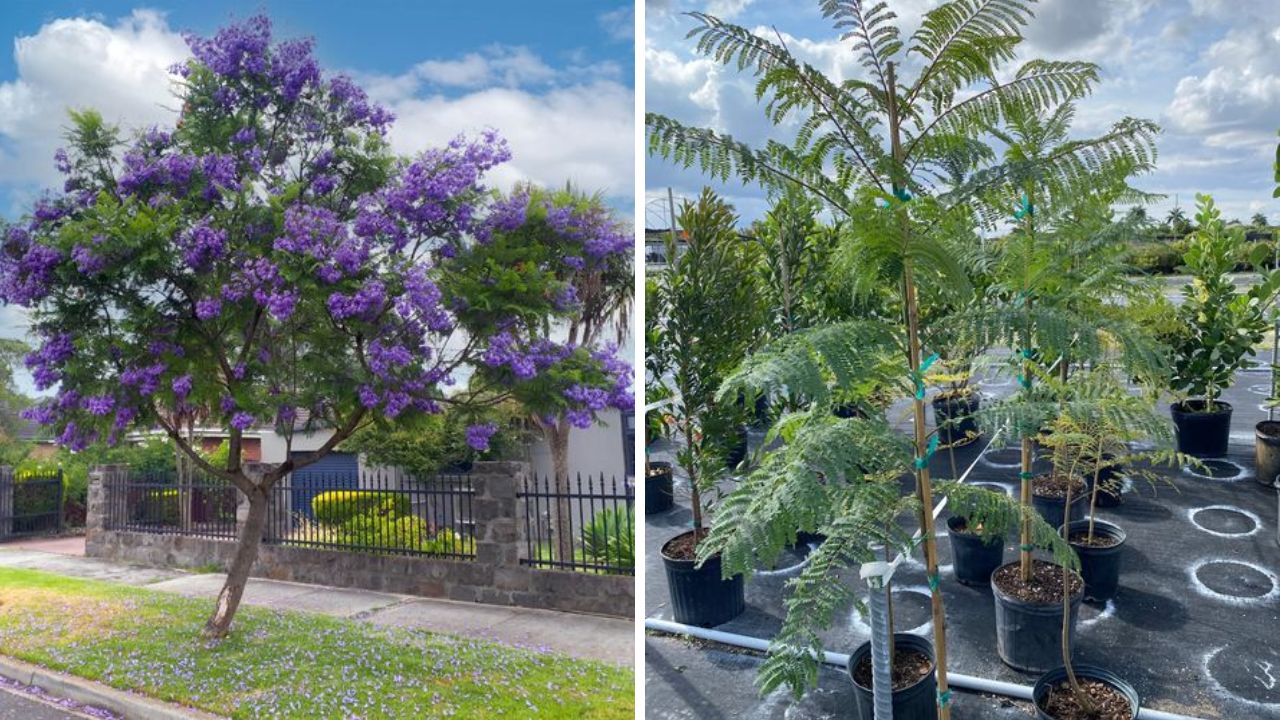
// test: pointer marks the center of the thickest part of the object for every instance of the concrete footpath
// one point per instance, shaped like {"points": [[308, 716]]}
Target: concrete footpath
{"points": [[589, 637]]}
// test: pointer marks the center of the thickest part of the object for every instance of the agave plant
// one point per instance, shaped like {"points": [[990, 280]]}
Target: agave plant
{"points": [[873, 149]]}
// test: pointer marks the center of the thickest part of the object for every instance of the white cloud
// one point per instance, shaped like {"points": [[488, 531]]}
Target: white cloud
{"points": [[495, 65], [572, 123], [1236, 102], [121, 70], [620, 24], [582, 134]]}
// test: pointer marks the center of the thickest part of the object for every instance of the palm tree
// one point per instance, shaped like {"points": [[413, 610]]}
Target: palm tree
{"points": [[1259, 220], [872, 149]]}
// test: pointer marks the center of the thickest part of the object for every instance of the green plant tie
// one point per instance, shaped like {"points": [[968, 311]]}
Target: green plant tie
{"points": [[944, 698], [917, 376], [922, 461], [1025, 475], [1025, 209], [1026, 548], [902, 194], [934, 582], [1028, 353]]}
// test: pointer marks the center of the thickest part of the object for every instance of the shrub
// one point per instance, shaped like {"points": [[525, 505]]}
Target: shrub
{"points": [[609, 539], [337, 507], [1157, 258], [158, 507]]}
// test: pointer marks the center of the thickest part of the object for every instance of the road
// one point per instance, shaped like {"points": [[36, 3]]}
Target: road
{"points": [[18, 704]]}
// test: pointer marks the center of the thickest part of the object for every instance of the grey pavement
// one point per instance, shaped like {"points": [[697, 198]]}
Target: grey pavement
{"points": [[18, 703], [589, 637]]}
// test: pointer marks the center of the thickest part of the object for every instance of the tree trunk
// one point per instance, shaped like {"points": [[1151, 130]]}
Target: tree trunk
{"points": [[561, 522], [238, 574]]}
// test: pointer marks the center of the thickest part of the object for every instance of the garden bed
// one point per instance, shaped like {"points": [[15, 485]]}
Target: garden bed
{"points": [[286, 664], [1197, 585]]}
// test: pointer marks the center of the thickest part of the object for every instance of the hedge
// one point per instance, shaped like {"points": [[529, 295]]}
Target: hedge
{"points": [[337, 507]]}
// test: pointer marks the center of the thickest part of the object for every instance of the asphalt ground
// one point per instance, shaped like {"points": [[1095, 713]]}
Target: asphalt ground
{"points": [[1193, 626]]}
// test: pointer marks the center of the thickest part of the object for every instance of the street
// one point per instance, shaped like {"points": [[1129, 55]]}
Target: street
{"points": [[16, 704]]}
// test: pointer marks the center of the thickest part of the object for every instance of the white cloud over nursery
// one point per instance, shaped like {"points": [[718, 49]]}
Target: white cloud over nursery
{"points": [[572, 123]]}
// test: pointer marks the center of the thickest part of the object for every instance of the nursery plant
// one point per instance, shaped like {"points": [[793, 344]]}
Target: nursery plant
{"points": [[1220, 330], [1092, 434], [890, 141], [268, 254], [705, 307]]}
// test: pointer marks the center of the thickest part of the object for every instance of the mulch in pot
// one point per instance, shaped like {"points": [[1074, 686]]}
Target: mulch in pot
{"points": [[909, 667], [1055, 486], [1045, 586], [1109, 703], [1099, 540], [685, 546]]}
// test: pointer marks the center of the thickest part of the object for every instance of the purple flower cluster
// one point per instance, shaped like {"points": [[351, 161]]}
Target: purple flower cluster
{"points": [[46, 362], [506, 215], [87, 261], [434, 196], [201, 245], [236, 50], [479, 436], [27, 268], [504, 351], [364, 304]]}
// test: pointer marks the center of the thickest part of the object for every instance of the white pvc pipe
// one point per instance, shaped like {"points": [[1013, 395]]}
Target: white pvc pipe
{"points": [[841, 660]]}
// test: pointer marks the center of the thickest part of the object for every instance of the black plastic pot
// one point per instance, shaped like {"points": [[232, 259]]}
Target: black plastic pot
{"points": [[1202, 434], [1029, 636], [804, 539], [1266, 449], [1040, 693], [1100, 566], [916, 702], [954, 417], [1053, 510], [659, 493], [699, 596], [973, 558]]}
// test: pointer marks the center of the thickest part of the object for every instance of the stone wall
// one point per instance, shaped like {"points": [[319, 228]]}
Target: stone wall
{"points": [[495, 576]]}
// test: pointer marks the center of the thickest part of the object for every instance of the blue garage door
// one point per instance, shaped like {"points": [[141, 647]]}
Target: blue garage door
{"points": [[335, 471]]}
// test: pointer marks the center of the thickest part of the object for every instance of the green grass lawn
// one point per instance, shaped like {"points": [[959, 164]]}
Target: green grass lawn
{"points": [[279, 664]]}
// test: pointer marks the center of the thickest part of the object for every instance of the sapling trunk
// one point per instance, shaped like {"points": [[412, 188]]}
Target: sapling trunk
{"points": [[1081, 696], [250, 540], [924, 488], [1093, 495], [559, 436]]}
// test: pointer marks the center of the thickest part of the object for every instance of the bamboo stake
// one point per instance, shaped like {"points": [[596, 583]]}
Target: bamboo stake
{"points": [[924, 489]]}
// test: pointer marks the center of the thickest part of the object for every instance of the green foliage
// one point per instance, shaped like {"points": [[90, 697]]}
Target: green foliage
{"points": [[159, 507], [427, 444], [609, 539], [336, 507], [707, 315], [1221, 326], [1157, 258]]}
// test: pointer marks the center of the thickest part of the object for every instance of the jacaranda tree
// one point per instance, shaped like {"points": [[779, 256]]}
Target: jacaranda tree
{"points": [[562, 367], [269, 254]]}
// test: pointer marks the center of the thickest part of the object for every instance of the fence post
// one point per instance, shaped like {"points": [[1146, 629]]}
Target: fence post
{"points": [[494, 512], [62, 500], [6, 501], [105, 501]]}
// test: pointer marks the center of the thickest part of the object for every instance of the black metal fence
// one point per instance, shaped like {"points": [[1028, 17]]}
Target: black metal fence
{"points": [[585, 525], [376, 512], [31, 503], [200, 505]]}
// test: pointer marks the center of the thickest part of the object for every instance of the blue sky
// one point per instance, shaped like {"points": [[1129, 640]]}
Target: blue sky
{"points": [[555, 78], [1208, 71]]}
